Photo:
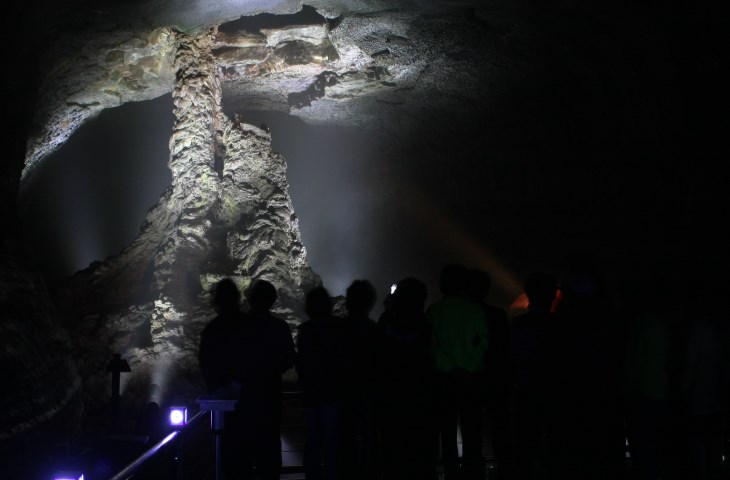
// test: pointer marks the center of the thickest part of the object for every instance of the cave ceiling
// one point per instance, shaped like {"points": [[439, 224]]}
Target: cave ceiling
{"points": [[381, 65]]}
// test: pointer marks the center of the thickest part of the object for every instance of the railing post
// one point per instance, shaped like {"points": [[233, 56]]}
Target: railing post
{"points": [[116, 366], [217, 408]]}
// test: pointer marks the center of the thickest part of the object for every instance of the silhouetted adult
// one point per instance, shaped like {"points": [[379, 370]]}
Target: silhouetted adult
{"points": [[324, 367], [528, 372], [459, 343], [706, 383], [362, 426], [270, 352], [586, 434], [496, 373], [648, 308], [217, 355], [406, 393], [253, 350]]}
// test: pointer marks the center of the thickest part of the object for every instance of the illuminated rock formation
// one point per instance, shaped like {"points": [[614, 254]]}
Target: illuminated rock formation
{"points": [[227, 213]]}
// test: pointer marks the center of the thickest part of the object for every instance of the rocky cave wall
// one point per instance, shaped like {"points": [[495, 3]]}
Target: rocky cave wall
{"points": [[389, 67], [228, 210], [227, 214], [344, 62]]}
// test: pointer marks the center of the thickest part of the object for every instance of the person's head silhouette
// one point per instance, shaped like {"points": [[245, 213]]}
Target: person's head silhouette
{"points": [[360, 297], [318, 303], [261, 295], [226, 296], [410, 295], [453, 280], [478, 284]]}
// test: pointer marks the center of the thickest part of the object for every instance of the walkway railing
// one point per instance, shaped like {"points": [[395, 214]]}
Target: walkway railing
{"points": [[135, 465]]}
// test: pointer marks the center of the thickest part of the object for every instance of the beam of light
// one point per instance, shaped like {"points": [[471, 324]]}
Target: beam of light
{"points": [[442, 228], [67, 475], [159, 380], [132, 467]]}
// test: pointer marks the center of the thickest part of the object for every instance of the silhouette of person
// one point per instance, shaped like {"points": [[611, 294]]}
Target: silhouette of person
{"points": [[496, 373], [406, 391], [271, 352], [460, 338], [219, 344], [586, 431], [362, 427], [252, 350], [324, 368], [218, 340], [706, 382], [646, 375], [528, 372]]}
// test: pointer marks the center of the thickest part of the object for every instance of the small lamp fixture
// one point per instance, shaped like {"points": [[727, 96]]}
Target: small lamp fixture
{"points": [[178, 416], [68, 475]]}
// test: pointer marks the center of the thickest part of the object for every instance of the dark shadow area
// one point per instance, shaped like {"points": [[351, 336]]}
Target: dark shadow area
{"points": [[89, 199]]}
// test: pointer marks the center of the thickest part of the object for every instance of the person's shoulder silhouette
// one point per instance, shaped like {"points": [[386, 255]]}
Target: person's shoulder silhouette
{"points": [[271, 336], [217, 340], [360, 299]]}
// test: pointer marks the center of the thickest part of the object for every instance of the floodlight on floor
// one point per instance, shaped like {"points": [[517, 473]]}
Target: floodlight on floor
{"points": [[178, 416], [68, 475]]}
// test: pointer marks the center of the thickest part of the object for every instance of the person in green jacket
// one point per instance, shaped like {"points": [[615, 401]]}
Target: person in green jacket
{"points": [[459, 340]]}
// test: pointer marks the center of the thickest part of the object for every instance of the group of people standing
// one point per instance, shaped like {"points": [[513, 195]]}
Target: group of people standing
{"points": [[561, 385]]}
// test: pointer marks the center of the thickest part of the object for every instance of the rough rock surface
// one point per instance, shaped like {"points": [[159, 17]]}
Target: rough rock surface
{"points": [[621, 83], [228, 211], [227, 214]]}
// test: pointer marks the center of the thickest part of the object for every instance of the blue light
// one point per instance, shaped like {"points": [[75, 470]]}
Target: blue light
{"points": [[68, 475], [178, 416]]}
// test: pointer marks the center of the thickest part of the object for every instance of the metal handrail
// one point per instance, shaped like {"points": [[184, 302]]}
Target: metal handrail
{"points": [[132, 467]]}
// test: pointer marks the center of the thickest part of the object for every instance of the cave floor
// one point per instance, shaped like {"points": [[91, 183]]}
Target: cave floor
{"points": [[104, 459]]}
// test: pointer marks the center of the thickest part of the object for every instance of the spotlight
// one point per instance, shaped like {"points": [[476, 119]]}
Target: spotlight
{"points": [[393, 288], [178, 416], [68, 475]]}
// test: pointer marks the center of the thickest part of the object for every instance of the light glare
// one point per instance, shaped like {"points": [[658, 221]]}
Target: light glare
{"points": [[67, 475], [178, 416]]}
